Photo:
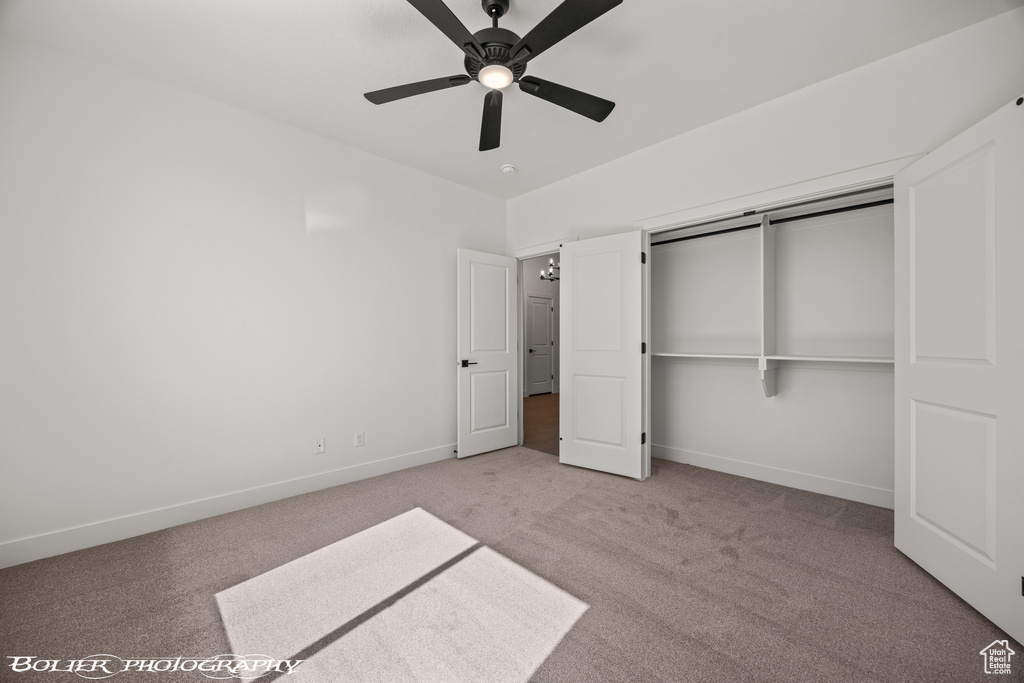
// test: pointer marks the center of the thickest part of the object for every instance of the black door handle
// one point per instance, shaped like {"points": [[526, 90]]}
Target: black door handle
{"points": [[531, 350], [466, 363]]}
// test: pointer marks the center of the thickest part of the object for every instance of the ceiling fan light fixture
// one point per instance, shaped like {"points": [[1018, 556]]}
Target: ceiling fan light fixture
{"points": [[495, 76]]}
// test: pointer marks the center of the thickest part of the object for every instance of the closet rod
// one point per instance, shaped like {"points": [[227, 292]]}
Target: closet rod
{"points": [[829, 212], [708, 234], [787, 219]]}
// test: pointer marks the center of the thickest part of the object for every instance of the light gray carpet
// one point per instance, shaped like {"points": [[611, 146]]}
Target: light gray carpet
{"points": [[692, 575]]}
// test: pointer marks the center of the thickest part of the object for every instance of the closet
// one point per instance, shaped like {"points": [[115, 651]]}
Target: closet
{"points": [[772, 345]]}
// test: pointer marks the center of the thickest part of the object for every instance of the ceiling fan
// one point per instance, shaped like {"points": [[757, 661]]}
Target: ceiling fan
{"points": [[497, 57]]}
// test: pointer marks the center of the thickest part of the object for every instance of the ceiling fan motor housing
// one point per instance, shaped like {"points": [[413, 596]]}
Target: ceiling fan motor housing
{"points": [[495, 8], [497, 43]]}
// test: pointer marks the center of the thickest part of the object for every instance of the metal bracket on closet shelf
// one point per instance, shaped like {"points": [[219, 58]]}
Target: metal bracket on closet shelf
{"points": [[769, 369]]}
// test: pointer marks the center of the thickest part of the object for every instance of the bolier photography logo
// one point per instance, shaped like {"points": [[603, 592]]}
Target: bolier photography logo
{"points": [[220, 667], [997, 657]]}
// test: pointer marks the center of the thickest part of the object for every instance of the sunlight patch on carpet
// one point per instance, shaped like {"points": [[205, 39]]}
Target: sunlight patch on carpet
{"points": [[411, 599], [296, 604]]}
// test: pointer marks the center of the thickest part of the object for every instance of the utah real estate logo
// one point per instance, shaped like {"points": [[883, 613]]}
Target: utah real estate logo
{"points": [[997, 657]]}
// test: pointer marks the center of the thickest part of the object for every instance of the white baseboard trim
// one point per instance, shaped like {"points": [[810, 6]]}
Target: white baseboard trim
{"points": [[862, 493], [31, 548]]}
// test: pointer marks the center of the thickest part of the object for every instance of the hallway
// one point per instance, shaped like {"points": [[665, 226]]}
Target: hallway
{"points": [[540, 423]]}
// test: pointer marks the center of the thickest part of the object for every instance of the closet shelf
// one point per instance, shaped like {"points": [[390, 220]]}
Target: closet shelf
{"points": [[768, 365], [753, 356]]}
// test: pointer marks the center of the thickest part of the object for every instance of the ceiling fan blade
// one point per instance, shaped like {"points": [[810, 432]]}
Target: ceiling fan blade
{"points": [[443, 18], [591, 106], [409, 89], [490, 129], [564, 20]]}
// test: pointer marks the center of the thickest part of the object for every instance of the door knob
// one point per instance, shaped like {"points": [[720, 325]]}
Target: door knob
{"points": [[531, 350], [466, 363]]}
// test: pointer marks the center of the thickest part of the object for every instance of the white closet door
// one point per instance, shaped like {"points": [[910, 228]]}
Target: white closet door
{"points": [[960, 365], [488, 329], [601, 406]]}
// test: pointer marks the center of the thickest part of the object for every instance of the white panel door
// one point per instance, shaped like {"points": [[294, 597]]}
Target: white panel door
{"points": [[960, 365], [601, 400], [540, 378], [488, 414]]}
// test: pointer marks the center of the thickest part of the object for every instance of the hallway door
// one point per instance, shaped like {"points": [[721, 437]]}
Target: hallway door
{"points": [[488, 358], [540, 375]]}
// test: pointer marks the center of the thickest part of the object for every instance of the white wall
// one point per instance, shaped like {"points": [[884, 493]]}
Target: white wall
{"points": [[898, 107], [171, 330], [829, 429]]}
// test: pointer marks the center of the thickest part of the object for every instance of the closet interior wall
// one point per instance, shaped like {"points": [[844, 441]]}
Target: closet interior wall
{"points": [[772, 345]]}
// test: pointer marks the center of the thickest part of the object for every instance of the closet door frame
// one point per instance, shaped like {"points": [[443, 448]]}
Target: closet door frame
{"points": [[861, 179]]}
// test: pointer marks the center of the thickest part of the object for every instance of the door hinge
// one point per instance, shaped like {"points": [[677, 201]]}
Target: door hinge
{"points": [[643, 257], [643, 438], [643, 348]]}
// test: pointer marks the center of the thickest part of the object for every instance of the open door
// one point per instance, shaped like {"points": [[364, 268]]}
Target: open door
{"points": [[602, 400], [488, 340], [960, 365]]}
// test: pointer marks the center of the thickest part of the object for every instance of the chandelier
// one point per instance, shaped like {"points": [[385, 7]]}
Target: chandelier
{"points": [[551, 274]]}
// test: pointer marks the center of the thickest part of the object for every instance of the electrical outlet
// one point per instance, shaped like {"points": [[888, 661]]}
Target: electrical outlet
{"points": [[319, 446], [360, 439]]}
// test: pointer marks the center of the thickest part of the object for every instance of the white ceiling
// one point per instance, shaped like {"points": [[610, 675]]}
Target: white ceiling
{"points": [[670, 66]]}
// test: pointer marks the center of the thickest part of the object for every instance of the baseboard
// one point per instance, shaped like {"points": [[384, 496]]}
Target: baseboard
{"points": [[861, 493], [53, 543]]}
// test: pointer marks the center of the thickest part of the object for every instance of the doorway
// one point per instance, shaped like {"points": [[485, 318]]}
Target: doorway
{"points": [[540, 310]]}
